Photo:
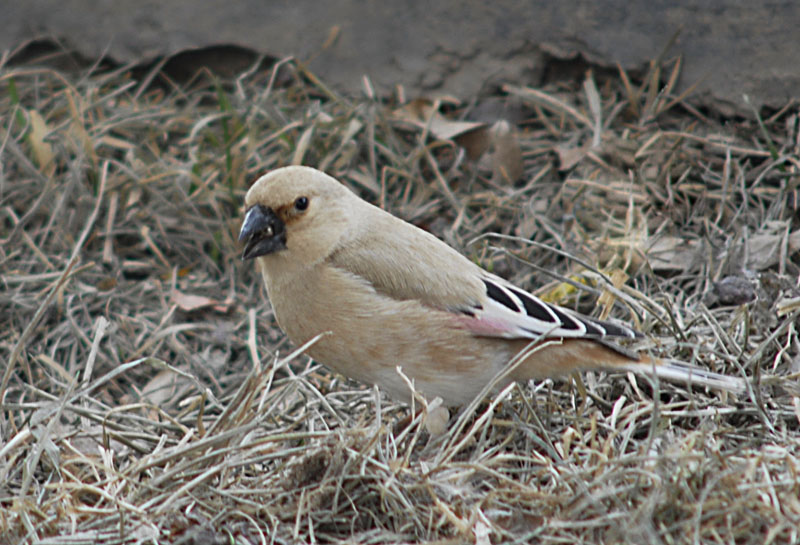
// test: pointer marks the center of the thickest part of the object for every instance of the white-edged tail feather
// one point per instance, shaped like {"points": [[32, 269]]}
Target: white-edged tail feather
{"points": [[519, 315], [678, 371]]}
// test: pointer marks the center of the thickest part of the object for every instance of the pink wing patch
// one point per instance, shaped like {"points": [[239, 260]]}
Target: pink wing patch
{"points": [[481, 326]]}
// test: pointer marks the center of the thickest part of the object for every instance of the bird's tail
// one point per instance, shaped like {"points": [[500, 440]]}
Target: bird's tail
{"points": [[678, 371]]}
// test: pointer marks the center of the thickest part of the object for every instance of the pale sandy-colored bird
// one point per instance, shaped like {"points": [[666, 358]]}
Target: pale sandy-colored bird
{"points": [[385, 295]]}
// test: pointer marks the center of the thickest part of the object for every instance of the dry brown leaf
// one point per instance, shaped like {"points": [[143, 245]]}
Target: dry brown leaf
{"points": [[77, 129], [106, 284], [421, 114], [670, 253], [569, 156], [224, 306], [477, 138], [763, 251], [161, 387], [134, 196], [117, 143], [189, 303], [42, 151], [475, 142], [506, 153]]}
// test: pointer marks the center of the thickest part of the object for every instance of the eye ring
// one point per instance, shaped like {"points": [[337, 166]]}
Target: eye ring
{"points": [[301, 203]]}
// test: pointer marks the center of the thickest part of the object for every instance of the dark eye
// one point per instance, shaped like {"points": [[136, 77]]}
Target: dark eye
{"points": [[301, 203]]}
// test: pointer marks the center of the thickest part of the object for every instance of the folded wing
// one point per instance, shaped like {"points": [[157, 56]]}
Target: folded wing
{"points": [[514, 313]]}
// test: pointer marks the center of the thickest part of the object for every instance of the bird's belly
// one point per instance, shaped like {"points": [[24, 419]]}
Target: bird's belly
{"points": [[380, 340]]}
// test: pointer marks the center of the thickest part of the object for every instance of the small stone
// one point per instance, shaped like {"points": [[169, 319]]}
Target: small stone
{"points": [[734, 290]]}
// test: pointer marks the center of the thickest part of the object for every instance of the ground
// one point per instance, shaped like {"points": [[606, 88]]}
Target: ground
{"points": [[148, 395]]}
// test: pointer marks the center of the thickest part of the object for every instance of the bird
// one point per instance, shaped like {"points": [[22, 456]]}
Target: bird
{"points": [[389, 304]]}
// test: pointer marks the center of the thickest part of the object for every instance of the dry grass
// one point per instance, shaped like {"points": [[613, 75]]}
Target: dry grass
{"points": [[147, 395]]}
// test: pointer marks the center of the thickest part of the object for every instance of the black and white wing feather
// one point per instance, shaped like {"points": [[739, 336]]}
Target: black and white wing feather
{"points": [[514, 313]]}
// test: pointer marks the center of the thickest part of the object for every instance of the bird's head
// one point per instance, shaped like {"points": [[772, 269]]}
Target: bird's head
{"points": [[295, 213]]}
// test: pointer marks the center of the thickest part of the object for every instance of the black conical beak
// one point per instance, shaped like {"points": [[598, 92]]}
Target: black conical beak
{"points": [[263, 232]]}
